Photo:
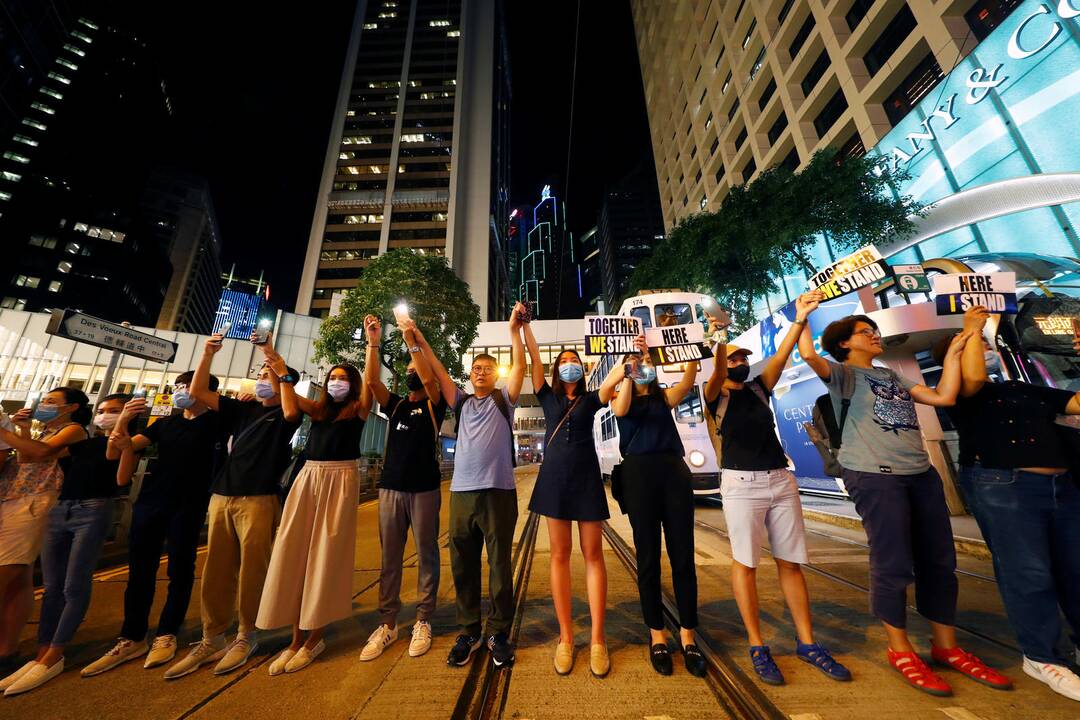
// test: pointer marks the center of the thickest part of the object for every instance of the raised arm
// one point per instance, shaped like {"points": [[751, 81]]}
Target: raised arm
{"points": [[972, 361], [770, 375], [535, 363], [611, 383], [293, 406], [944, 395], [517, 356], [39, 450], [714, 386], [372, 360], [678, 392], [446, 383], [818, 364], [423, 368], [200, 383], [120, 439], [620, 405]]}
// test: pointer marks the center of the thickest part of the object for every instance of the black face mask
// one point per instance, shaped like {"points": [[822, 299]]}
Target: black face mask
{"points": [[739, 373], [413, 382]]}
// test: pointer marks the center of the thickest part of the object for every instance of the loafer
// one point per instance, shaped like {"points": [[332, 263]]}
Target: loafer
{"points": [[277, 667], [660, 657], [304, 657], [14, 677], [564, 658], [695, 661], [599, 660], [35, 677]]}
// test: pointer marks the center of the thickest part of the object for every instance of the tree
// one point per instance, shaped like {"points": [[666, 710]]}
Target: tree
{"points": [[768, 228], [438, 301]]}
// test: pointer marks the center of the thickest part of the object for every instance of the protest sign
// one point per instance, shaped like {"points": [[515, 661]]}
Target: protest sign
{"points": [[611, 334], [677, 344], [863, 267], [958, 293]]}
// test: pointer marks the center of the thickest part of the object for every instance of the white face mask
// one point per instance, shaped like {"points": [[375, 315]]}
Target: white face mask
{"points": [[338, 389], [106, 421]]}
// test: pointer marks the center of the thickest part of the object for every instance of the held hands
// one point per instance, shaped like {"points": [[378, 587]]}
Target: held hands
{"points": [[408, 331], [120, 442], [515, 318], [956, 346], [721, 320], [372, 330], [639, 343], [213, 344], [975, 319], [807, 303], [246, 397]]}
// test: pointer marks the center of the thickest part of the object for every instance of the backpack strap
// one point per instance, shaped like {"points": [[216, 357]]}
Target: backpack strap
{"points": [[847, 391], [721, 408], [434, 425]]}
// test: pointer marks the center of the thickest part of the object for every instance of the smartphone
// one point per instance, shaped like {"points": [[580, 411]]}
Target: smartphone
{"points": [[401, 312], [32, 400], [141, 393], [261, 333], [225, 326], [525, 315]]}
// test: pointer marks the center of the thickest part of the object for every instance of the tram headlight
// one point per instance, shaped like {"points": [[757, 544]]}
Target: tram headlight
{"points": [[697, 458]]}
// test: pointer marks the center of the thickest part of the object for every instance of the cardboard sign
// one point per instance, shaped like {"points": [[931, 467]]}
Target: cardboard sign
{"points": [[677, 344], [863, 267], [958, 293], [911, 279], [611, 334]]}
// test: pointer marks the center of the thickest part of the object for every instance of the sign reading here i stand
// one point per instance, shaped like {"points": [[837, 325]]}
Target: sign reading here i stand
{"points": [[677, 344]]}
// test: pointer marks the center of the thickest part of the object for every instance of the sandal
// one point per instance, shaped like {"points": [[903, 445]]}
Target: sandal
{"points": [[918, 674], [819, 657], [971, 666]]}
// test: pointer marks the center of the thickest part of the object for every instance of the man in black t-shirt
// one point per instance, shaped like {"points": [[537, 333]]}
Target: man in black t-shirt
{"points": [[409, 490], [243, 513], [169, 512]]}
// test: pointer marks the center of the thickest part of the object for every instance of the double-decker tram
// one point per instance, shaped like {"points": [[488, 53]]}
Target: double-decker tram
{"points": [[653, 309]]}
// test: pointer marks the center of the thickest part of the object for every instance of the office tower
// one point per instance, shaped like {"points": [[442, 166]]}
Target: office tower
{"points": [[630, 226]]}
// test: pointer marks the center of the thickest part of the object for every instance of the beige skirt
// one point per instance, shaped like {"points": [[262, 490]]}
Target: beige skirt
{"points": [[310, 578]]}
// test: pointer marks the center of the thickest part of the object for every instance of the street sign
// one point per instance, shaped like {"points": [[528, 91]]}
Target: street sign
{"points": [[112, 336], [911, 279]]}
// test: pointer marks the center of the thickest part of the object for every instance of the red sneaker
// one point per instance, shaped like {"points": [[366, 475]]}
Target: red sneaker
{"points": [[918, 674], [971, 666]]}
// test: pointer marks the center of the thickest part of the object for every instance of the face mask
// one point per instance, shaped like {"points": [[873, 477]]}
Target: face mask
{"points": [[338, 389], [739, 373], [264, 390], [182, 399], [413, 382], [648, 374], [570, 372], [46, 413], [106, 421], [993, 362]]}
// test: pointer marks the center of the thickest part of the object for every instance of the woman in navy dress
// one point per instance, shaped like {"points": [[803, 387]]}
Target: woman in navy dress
{"points": [[569, 488]]}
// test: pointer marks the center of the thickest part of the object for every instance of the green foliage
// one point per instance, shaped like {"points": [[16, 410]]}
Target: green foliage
{"points": [[768, 228], [438, 301]]}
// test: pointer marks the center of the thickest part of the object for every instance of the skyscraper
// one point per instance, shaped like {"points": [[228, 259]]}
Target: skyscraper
{"points": [[550, 275], [419, 149], [628, 229]]}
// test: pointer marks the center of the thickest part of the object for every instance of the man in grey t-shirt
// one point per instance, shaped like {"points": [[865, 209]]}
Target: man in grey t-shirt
{"points": [[483, 501]]}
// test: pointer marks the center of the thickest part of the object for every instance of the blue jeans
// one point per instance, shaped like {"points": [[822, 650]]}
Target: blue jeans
{"points": [[1031, 522], [73, 541]]}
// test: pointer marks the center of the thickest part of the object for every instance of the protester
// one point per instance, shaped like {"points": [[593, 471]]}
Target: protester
{"points": [[483, 498], [569, 487], [897, 493], [243, 513], [761, 498], [409, 489], [168, 514], [29, 487], [657, 491], [1014, 472]]}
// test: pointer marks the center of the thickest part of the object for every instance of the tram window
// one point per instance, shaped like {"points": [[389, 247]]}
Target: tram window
{"points": [[642, 314], [668, 314], [689, 410]]}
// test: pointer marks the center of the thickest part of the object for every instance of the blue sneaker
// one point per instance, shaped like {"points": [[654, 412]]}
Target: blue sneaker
{"points": [[764, 666], [820, 658]]}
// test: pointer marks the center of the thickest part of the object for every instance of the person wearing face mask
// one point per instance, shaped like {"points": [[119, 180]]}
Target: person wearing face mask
{"points": [[1014, 473], [309, 581], [658, 495], [78, 524], [761, 498], [409, 489], [29, 487], [167, 515], [570, 488], [897, 492], [243, 511]]}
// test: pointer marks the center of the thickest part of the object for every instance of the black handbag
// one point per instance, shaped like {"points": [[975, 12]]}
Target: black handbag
{"points": [[291, 471], [617, 487]]}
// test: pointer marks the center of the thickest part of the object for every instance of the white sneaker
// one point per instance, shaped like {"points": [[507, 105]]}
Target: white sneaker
{"points": [[202, 652], [237, 653], [35, 677], [379, 641], [1061, 679], [13, 677], [121, 652], [421, 638], [162, 651]]}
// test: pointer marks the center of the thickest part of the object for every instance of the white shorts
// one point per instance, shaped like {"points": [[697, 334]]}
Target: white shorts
{"points": [[22, 527], [757, 502]]}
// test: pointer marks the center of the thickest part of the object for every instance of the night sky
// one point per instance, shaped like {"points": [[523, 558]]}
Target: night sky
{"points": [[254, 91]]}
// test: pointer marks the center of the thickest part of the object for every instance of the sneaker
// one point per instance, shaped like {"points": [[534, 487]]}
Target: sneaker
{"points": [[304, 657], [278, 666], [421, 638], [378, 641], [464, 647], [765, 666], [564, 658], [1061, 679], [820, 658], [121, 652], [13, 677], [502, 652], [36, 676], [971, 666], [202, 652], [918, 674], [237, 653], [599, 660], [162, 651]]}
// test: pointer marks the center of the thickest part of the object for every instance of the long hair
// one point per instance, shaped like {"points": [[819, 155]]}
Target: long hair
{"points": [[344, 409], [80, 414], [558, 386], [654, 387]]}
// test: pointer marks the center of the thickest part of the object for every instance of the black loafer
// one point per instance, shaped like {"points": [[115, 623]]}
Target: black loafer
{"points": [[695, 661], [661, 659]]}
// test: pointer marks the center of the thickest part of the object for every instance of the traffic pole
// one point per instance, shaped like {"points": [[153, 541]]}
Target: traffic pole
{"points": [[110, 370]]}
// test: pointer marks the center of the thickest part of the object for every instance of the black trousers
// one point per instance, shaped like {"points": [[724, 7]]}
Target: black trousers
{"points": [[154, 524], [658, 495]]}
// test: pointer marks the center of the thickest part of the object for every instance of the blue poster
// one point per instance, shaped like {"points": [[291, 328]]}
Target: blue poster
{"points": [[774, 327]]}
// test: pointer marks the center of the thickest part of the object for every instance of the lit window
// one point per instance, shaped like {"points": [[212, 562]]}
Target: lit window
{"points": [[10, 176], [376, 169], [702, 203], [34, 124], [81, 36], [42, 241], [43, 108], [27, 281], [352, 170], [5, 195], [356, 140], [51, 93], [87, 23], [64, 266], [25, 140], [67, 63], [727, 82], [13, 303], [350, 113], [453, 33], [55, 286], [439, 23], [73, 248], [386, 15], [72, 49], [416, 137], [82, 227], [16, 157], [371, 26], [59, 78]]}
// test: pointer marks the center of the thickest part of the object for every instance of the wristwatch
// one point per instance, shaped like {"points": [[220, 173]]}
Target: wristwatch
{"points": [[287, 378], [414, 349]]}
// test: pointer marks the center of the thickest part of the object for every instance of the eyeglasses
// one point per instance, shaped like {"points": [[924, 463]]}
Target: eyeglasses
{"points": [[868, 332], [478, 370]]}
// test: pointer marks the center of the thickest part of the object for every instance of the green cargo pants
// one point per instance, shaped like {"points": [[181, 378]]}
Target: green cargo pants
{"points": [[480, 518]]}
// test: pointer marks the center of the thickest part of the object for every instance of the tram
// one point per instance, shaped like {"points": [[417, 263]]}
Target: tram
{"points": [[686, 307]]}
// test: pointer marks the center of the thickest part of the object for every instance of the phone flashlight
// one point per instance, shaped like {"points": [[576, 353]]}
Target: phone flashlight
{"points": [[262, 333], [401, 312]]}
